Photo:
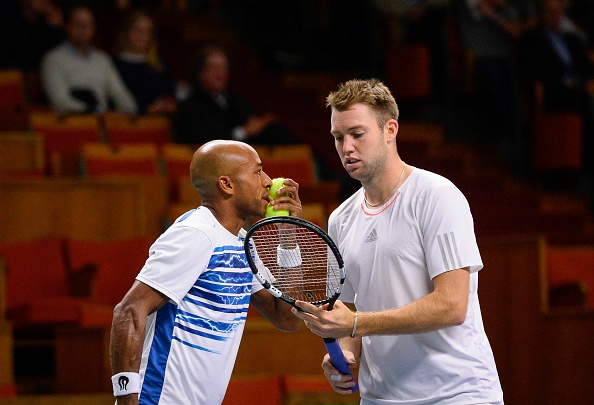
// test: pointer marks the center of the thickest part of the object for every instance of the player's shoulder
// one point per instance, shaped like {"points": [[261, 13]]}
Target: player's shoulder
{"points": [[198, 218]]}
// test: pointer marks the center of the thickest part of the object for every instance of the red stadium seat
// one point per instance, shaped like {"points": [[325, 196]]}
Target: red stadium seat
{"points": [[100, 160], [124, 128], [37, 286], [63, 138]]}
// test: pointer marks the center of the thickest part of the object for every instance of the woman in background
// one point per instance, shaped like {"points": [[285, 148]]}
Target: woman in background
{"points": [[141, 68]]}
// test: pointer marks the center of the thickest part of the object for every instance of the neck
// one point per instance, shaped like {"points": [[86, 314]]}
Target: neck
{"points": [[375, 197]]}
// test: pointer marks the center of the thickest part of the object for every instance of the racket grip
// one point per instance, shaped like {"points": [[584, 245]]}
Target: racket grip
{"points": [[338, 360]]}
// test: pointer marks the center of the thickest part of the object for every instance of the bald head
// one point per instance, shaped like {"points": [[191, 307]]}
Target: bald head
{"points": [[215, 159]]}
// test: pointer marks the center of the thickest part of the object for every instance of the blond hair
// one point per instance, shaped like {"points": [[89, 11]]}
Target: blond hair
{"points": [[372, 93], [152, 54]]}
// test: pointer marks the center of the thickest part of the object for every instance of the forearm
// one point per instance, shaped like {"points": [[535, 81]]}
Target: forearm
{"points": [[127, 337], [275, 311], [352, 345], [432, 312]]}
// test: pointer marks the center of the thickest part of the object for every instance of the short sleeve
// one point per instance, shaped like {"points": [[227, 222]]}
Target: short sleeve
{"points": [[447, 230], [176, 260]]}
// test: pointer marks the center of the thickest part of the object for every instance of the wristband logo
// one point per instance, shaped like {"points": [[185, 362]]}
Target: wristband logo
{"points": [[123, 383]]}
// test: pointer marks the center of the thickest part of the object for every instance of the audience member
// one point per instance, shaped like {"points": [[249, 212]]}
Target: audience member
{"points": [[79, 78], [28, 29], [141, 68], [558, 60], [211, 111], [489, 29]]}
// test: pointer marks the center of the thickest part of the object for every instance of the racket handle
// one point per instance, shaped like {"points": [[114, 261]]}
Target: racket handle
{"points": [[338, 360]]}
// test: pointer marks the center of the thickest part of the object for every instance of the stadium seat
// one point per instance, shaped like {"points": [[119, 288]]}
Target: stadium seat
{"points": [[176, 160], [63, 138], [408, 72], [557, 142], [294, 161], [28, 148], [254, 390], [123, 128], [116, 262], [37, 285], [12, 90], [100, 160], [568, 265]]}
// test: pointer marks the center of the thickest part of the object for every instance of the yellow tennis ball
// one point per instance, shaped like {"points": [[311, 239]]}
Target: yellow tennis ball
{"points": [[270, 211]]}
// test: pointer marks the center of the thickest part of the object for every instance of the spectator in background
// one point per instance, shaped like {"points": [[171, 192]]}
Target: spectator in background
{"points": [[558, 59], [142, 70], [211, 111], [79, 78], [28, 29], [489, 29]]}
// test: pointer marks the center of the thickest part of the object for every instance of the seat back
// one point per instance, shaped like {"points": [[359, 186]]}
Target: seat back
{"points": [[100, 159], [176, 160], [571, 264], [408, 72], [117, 264], [124, 129], [29, 150], [557, 141], [254, 390], [63, 137], [293, 161], [12, 90], [36, 270]]}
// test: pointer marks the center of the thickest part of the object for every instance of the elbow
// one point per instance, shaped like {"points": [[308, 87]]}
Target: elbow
{"points": [[457, 314]]}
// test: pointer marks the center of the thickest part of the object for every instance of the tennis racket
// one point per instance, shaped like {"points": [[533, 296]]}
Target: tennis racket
{"points": [[295, 259]]}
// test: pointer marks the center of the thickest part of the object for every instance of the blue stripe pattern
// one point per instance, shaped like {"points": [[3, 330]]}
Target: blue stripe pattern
{"points": [[157, 361]]}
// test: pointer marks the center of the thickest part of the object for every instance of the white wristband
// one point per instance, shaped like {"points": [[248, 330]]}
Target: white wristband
{"points": [[125, 383]]}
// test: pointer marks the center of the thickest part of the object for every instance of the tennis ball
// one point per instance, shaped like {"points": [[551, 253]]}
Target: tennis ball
{"points": [[270, 211]]}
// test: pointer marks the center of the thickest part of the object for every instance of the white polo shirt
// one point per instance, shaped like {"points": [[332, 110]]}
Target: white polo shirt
{"points": [[391, 254]]}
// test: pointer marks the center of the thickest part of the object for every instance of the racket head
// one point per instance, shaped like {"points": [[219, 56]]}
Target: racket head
{"points": [[307, 267]]}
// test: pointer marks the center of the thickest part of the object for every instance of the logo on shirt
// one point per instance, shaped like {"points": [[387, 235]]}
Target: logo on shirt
{"points": [[372, 237]]}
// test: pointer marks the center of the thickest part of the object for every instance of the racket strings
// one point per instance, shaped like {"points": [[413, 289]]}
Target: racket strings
{"points": [[304, 267]]}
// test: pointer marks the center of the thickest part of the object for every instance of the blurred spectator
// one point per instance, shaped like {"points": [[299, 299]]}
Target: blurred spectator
{"points": [[77, 77], [28, 29], [211, 111], [558, 60], [489, 30], [144, 73]]}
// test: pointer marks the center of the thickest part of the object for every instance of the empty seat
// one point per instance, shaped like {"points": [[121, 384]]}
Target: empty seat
{"points": [[571, 265], [37, 286], [21, 154], [124, 128], [254, 390], [116, 262], [408, 72], [176, 160], [293, 161], [100, 159], [557, 142], [12, 90], [63, 137]]}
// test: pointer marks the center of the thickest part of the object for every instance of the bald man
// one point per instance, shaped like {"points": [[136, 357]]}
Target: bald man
{"points": [[176, 333]]}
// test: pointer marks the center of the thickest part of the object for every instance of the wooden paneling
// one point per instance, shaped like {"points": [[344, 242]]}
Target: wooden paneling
{"points": [[542, 357], [84, 209]]}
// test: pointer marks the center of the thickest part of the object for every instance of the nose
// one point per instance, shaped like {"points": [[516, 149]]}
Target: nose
{"points": [[347, 144], [266, 180]]}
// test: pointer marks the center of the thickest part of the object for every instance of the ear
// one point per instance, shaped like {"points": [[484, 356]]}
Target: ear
{"points": [[391, 130], [226, 185]]}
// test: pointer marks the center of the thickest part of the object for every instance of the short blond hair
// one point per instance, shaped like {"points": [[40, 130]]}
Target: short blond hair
{"points": [[372, 93]]}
